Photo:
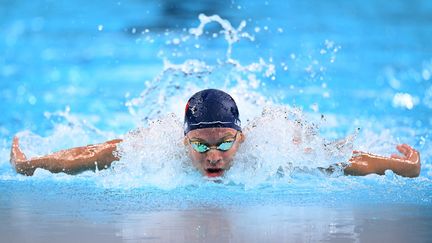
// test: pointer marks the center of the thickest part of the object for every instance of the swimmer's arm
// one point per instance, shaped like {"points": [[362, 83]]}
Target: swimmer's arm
{"points": [[70, 161], [407, 165]]}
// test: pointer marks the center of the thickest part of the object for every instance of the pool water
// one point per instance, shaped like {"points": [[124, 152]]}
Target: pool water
{"points": [[85, 72]]}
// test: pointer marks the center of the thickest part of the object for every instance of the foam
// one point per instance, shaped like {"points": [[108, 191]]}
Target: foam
{"points": [[281, 141], [153, 156]]}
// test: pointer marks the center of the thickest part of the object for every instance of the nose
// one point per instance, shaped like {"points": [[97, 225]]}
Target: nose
{"points": [[213, 157]]}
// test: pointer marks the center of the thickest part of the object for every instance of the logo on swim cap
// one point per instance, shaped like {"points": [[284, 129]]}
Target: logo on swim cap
{"points": [[211, 108]]}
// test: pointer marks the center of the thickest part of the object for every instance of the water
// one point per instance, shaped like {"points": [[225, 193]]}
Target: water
{"points": [[73, 75]]}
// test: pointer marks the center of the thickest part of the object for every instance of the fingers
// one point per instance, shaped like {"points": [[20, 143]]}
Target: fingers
{"points": [[408, 152], [406, 147], [16, 153], [15, 141], [404, 150]]}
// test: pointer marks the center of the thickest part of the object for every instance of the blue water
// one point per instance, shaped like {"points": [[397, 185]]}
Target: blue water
{"points": [[84, 72]]}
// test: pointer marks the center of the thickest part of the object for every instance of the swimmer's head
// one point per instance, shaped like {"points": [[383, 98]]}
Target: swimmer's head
{"points": [[211, 108], [212, 131]]}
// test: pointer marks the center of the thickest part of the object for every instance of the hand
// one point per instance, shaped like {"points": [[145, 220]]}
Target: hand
{"points": [[411, 158], [16, 154], [407, 164], [19, 160], [409, 154]]}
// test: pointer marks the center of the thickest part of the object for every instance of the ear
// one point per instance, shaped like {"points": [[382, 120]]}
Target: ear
{"points": [[242, 137], [185, 141]]}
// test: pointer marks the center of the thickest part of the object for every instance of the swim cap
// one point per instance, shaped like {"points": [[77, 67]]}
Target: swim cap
{"points": [[211, 108]]}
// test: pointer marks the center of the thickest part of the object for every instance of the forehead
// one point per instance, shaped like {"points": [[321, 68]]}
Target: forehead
{"points": [[212, 134]]}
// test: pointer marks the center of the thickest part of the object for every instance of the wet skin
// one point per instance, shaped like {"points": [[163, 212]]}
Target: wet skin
{"points": [[213, 163]]}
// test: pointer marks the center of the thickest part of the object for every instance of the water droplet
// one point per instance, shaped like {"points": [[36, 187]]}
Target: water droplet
{"points": [[32, 99], [176, 41], [314, 107], [426, 74], [403, 100]]}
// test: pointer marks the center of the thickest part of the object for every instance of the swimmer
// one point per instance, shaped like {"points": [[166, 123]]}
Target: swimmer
{"points": [[212, 136]]}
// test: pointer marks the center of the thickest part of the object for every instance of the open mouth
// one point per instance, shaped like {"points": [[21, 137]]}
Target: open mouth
{"points": [[214, 172]]}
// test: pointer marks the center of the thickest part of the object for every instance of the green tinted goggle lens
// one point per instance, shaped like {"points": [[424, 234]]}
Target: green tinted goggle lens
{"points": [[202, 148]]}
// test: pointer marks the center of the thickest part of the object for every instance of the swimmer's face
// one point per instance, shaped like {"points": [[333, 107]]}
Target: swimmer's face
{"points": [[213, 162]]}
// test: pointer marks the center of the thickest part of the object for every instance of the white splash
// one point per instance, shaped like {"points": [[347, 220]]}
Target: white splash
{"points": [[280, 141], [232, 35], [171, 89], [69, 131], [404, 100], [151, 156]]}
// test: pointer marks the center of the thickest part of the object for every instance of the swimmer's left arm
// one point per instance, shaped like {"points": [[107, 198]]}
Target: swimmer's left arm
{"points": [[407, 165]]}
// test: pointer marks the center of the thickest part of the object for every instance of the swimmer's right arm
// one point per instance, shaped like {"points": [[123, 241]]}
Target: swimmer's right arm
{"points": [[69, 161]]}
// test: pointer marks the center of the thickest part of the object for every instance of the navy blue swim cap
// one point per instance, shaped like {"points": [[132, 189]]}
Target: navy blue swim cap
{"points": [[211, 108]]}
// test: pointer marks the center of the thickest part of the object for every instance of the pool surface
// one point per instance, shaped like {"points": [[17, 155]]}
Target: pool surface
{"points": [[75, 73]]}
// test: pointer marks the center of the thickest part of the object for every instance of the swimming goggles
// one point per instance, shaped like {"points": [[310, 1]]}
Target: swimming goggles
{"points": [[203, 147]]}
